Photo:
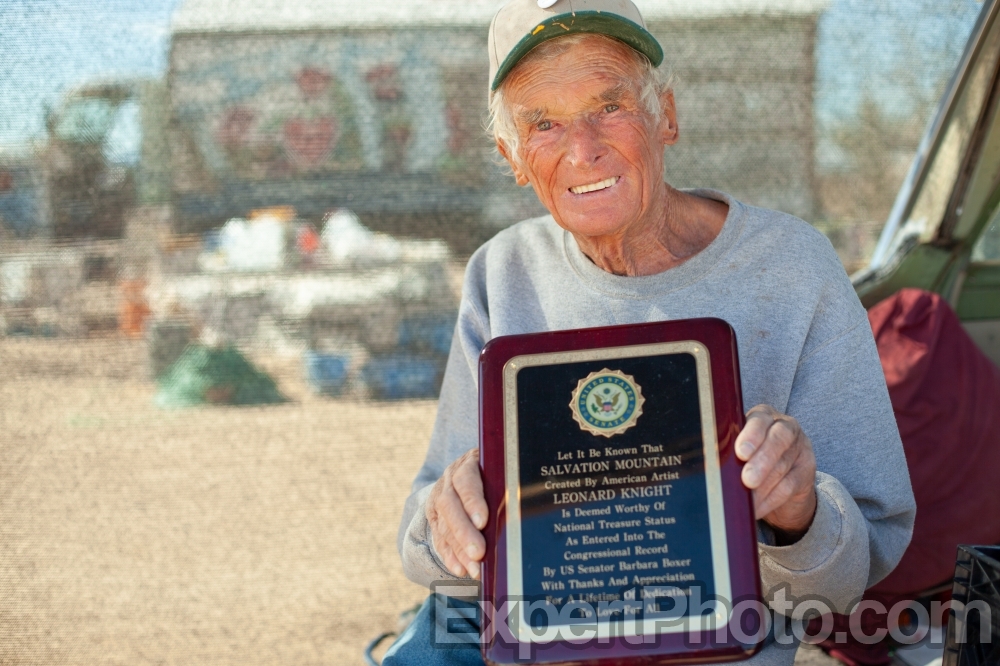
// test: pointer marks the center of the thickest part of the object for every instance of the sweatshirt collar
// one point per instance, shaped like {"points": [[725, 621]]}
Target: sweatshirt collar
{"points": [[671, 279]]}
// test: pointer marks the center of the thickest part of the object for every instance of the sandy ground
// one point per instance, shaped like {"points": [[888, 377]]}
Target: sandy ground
{"points": [[132, 535]]}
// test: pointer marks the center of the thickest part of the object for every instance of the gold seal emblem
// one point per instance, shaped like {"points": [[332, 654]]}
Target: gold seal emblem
{"points": [[606, 402]]}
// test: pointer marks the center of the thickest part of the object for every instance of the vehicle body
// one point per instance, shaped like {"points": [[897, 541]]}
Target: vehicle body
{"points": [[91, 158], [78, 183], [943, 234]]}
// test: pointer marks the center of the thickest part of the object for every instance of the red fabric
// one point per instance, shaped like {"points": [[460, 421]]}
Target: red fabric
{"points": [[946, 397], [853, 652]]}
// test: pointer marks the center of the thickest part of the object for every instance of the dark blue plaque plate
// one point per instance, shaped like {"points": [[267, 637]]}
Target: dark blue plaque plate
{"points": [[619, 528]]}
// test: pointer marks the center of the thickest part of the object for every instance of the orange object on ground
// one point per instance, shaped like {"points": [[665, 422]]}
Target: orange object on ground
{"points": [[307, 240], [134, 308], [280, 213]]}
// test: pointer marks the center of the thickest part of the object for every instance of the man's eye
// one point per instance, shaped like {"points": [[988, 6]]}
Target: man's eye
{"points": [[544, 125], [611, 108]]}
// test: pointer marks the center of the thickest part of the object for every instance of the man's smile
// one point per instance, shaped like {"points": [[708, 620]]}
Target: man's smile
{"points": [[593, 187]]}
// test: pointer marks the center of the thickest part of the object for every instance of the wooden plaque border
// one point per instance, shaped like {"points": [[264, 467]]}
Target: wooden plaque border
{"points": [[719, 339]]}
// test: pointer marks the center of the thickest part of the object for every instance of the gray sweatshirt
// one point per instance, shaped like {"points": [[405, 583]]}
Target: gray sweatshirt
{"points": [[805, 348]]}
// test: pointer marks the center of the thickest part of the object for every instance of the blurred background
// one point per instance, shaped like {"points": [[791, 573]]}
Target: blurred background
{"points": [[232, 236]]}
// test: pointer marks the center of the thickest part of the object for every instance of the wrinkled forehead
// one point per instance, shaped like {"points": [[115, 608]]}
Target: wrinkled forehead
{"points": [[577, 69]]}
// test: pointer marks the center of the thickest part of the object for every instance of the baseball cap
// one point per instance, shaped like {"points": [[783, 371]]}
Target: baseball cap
{"points": [[521, 25]]}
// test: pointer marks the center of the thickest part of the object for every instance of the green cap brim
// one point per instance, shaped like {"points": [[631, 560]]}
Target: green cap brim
{"points": [[600, 23]]}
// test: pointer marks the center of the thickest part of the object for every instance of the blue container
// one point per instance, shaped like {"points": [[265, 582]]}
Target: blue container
{"points": [[211, 241], [401, 376], [428, 333], [20, 201], [326, 373]]}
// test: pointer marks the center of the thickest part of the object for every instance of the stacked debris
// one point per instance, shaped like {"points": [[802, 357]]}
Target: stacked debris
{"points": [[371, 315]]}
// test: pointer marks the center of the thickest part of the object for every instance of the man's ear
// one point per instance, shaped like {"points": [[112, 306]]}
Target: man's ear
{"points": [[519, 175], [669, 131]]}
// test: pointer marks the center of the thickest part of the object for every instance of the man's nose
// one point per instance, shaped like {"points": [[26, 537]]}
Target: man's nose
{"points": [[585, 143]]}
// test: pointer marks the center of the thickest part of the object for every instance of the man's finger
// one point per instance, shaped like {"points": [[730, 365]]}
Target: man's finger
{"points": [[468, 565], [774, 499], [783, 466], [766, 501], [469, 486], [462, 533], [753, 433], [460, 552], [787, 487], [452, 556], [444, 550], [780, 436]]}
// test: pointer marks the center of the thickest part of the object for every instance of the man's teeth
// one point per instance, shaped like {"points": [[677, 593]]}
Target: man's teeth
{"points": [[583, 189]]}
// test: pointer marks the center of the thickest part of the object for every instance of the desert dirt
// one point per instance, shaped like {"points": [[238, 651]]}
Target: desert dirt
{"points": [[215, 535]]}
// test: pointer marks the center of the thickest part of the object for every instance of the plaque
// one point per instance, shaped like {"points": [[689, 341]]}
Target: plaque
{"points": [[619, 527]]}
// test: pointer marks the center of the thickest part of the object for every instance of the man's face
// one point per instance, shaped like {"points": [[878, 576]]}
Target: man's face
{"points": [[588, 147]]}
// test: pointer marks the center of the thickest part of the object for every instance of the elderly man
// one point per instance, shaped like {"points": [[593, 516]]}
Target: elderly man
{"points": [[581, 113]]}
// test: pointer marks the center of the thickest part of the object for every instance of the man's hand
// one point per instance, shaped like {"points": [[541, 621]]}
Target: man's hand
{"points": [[456, 511], [780, 470]]}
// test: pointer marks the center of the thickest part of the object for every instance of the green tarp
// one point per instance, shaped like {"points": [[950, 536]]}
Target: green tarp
{"points": [[218, 376]]}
